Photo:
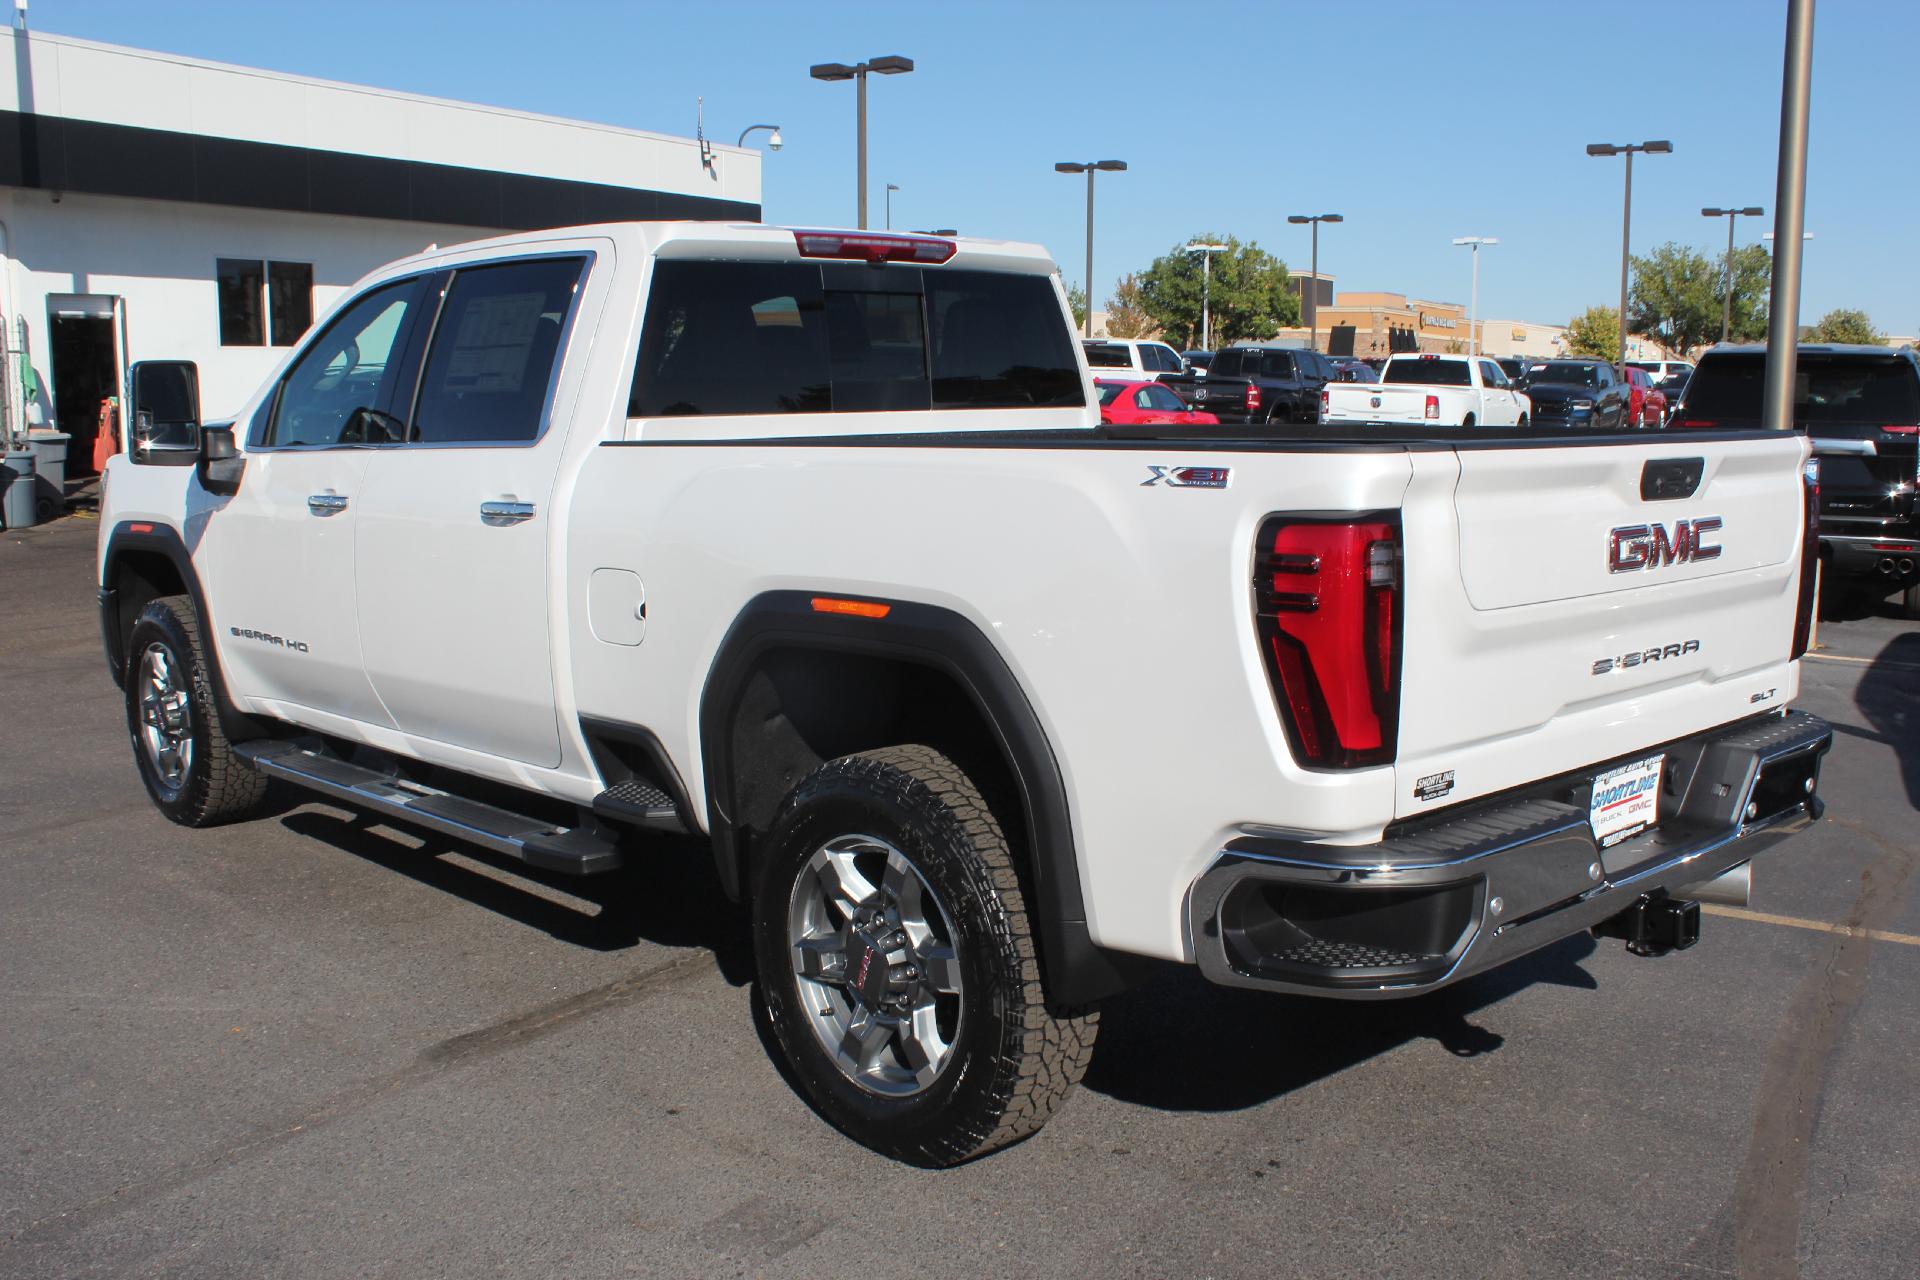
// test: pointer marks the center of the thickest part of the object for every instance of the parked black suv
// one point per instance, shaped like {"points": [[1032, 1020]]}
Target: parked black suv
{"points": [[1288, 380], [1861, 405]]}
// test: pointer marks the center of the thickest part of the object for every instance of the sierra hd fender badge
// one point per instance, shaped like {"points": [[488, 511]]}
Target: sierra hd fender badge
{"points": [[1649, 546], [1187, 477], [267, 637]]}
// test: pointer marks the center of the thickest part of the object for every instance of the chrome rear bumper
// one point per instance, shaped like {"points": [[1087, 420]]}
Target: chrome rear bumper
{"points": [[1426, 907]]}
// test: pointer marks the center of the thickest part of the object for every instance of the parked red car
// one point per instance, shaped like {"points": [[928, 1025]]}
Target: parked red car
{"points": [[1146, 402], [1648, 408]]}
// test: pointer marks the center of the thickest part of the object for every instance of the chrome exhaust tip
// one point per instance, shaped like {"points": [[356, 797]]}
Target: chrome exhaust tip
{"points": [[1732, 887]]}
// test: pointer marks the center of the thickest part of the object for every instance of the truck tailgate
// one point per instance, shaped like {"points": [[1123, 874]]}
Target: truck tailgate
{"points": [[1375, 402], [1557, 618]]}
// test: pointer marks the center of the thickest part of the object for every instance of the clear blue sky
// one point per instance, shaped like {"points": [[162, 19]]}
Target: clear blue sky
{"points": [[1419, 122]]}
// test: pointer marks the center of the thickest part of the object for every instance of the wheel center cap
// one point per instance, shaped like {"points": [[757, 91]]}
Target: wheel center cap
{"points": [[867, 970]]}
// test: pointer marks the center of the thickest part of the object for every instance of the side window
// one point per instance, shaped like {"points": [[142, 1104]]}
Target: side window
{"points": [[1278, 364], [1158, 397], [1491, 375], [1225, 364], [339, 389], [493, 353], [1169, 359]]}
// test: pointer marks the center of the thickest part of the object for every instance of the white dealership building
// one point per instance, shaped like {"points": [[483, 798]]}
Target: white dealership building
{"points": [[156, 206]]}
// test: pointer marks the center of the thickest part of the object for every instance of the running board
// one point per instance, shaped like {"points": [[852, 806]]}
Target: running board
{"points": [[536, 843]]}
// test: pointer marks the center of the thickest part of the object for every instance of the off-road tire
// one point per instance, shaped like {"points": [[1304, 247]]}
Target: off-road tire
{"points": [[217, 787], [1014, 1060]]}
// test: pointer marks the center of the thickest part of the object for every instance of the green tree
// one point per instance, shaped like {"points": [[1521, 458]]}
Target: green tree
{"points": [[1595, 332], [1126, 312], [1752, 288], [1846, 326], [1249, 295], [1077, 299], [1675, 297]]}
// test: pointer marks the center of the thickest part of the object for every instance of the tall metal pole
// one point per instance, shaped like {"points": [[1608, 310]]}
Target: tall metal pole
{"points": [[861, 77], [1789, 218], [1473, 307], [1726, 304], [1206, 301], [1089, 284], [1313, 293], [1626, 244]]}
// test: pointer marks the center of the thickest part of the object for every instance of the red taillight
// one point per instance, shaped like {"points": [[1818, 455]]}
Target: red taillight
{"points": [[1253, 396], [1433, 407], [1809, 555], [1326, 600], [860, 246], [1696, 422], [1326, 402], [1904, 430]]}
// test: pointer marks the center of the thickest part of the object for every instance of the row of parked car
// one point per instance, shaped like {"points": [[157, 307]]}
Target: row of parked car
{"points": [[1861, 405]]}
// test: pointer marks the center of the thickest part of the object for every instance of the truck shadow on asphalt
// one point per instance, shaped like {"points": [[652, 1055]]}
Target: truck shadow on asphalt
{"points": [[1888, 696], [667, 896], [1179, 1043]]}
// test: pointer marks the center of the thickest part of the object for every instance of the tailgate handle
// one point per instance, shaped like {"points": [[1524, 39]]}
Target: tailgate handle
{"points": [[1663, 479]]}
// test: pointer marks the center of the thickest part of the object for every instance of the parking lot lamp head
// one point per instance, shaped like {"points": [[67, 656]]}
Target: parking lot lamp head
{"points": [[891, 65], [1726, 304]]}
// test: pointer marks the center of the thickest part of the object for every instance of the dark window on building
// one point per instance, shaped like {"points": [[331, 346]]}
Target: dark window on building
{"points": [[289, 301], [240, 281], [762, 338], [263, 300], [493, 353]]}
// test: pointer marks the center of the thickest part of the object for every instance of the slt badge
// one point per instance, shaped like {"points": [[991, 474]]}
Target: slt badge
{"points": [[1187, 477]]}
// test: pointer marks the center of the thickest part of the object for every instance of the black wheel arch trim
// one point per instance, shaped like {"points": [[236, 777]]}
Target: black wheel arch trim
{"points": [[165, 541], [1076, 969]]}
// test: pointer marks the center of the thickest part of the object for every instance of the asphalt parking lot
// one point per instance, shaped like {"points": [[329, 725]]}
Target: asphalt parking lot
{"points": [[317, 1046]]}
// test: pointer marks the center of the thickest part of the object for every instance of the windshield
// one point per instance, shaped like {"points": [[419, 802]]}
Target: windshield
{"points": [[1577, 372], [1428, 372], [1826, 388]]}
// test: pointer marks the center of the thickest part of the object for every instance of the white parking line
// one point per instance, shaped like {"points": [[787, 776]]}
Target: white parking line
{"points": [[1818, 926]]}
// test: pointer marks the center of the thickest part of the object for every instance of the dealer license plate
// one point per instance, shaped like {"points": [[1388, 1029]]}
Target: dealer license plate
{"points": [[1626, 801]]}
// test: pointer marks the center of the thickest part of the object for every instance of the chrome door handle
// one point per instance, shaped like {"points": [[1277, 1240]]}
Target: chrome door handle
{"points": [[325, 504], [499, 514]]}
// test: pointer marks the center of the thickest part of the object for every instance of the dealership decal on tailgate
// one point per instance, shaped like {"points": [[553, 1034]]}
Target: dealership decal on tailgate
{"points": [[1626, 801]]}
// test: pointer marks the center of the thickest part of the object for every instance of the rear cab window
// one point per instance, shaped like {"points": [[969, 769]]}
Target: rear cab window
{"points": [[729, 338], [1429, 371], [1830, 388]]}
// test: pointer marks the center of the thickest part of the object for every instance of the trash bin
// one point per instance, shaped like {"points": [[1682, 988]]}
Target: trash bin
{"points": [[17, 498], [50, 456]]}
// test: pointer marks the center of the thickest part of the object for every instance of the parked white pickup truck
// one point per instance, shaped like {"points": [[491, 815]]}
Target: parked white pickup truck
{"points": [[811, 543], [1431, 390]]}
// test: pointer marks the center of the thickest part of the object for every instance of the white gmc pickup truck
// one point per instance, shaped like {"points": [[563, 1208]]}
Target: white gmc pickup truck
{"points": [[811, 543], [1429, 390]]}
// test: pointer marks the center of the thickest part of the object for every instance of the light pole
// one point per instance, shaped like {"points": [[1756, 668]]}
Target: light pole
{"points": [[1726, 306], [773, 144], [891, 65], [891, 188], [1090, 168], [1626, 215], [1473, 307], [1206, 252], [1313, 309]]}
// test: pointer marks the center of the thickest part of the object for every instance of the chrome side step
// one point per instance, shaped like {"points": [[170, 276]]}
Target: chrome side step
{"points": [[538, 844]]}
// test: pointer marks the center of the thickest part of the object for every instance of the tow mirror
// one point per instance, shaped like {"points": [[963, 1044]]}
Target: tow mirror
{"points": [[165, 400]]}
